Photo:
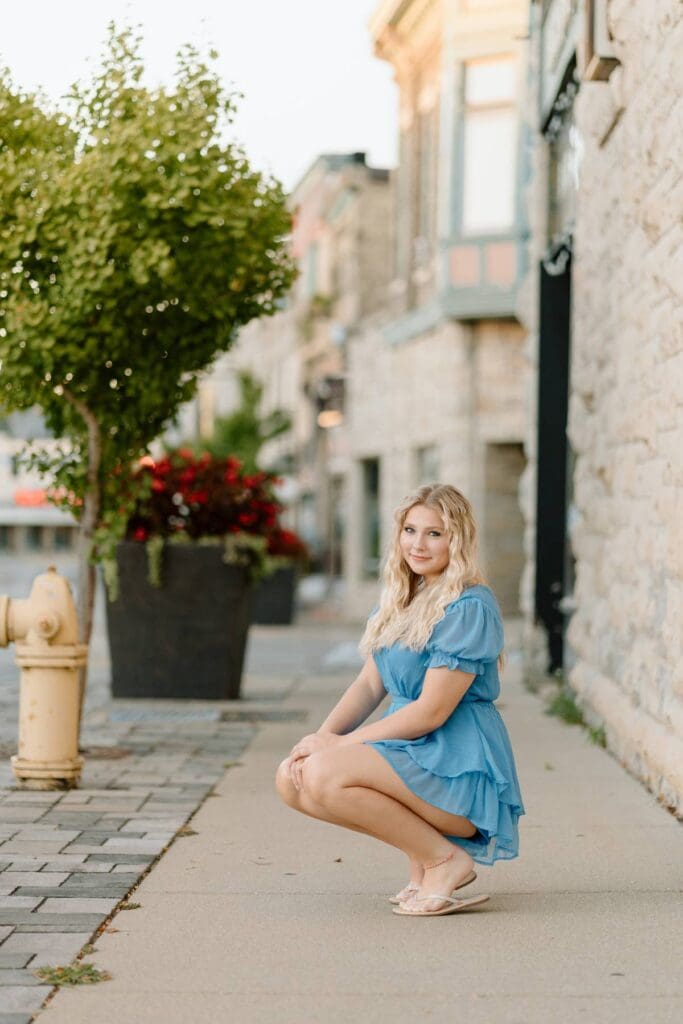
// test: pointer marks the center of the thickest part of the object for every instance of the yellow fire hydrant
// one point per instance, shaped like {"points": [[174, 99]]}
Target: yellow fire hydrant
{"points": [[45, 630]]}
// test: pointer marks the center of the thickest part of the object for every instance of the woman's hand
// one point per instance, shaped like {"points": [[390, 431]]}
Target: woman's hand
{"points": [[314, 742], [310, 744]]}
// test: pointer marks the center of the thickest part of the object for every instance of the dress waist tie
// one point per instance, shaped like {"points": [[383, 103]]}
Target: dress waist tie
{"points": [[400, 702]]}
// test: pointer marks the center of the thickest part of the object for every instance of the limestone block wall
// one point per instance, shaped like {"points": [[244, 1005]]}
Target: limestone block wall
{"points": [[626, 406], [398, 401], [458, 388]]}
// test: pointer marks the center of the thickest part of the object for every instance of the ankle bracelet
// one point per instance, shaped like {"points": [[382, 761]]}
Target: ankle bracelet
{"points": [[436, 863]]}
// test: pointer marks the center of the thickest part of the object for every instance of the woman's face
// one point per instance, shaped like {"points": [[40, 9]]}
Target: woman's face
{"points": [[424, 542]]}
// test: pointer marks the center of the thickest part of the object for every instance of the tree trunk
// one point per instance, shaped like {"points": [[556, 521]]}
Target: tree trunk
{"points": [[92, 503]]}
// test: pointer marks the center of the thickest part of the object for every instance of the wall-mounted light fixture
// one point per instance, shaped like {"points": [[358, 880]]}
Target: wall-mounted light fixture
{"points": [[330, 418]]}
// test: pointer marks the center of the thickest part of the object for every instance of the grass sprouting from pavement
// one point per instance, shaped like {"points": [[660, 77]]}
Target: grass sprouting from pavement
{"points": [[73, 974]]}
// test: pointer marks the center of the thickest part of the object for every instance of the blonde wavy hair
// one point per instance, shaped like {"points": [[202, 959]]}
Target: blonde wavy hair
{"points": [[408, 609]]}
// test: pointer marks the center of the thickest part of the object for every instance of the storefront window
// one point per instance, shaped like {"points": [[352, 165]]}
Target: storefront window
{"points": [[490, 145]]}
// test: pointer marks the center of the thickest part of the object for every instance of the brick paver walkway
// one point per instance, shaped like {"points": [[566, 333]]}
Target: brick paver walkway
{"points": [[69, 859]]}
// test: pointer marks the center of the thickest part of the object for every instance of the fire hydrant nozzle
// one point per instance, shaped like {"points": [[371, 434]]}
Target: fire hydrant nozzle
{"points": [[45, 630]]}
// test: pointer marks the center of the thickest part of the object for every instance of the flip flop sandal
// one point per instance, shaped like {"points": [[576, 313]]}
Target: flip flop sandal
{"points": [[455, 905], [409, 889]]}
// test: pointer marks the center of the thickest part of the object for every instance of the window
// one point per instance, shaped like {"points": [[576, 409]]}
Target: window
{"points": [[426, 465], [502, 523], [311, 271], [490, 146], [307, 527], [33, 537], [416, 181], [427, 182], [370, 531], [404, 187], [336, 525], [64, 536]]}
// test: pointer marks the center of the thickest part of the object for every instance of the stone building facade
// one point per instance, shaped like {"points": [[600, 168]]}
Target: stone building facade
{"points": [[341, 240], [437, 380], [603, 304]]}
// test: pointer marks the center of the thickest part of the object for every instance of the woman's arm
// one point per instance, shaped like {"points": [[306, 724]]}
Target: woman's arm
{"points": [[442, 691], [358, 702], [361, 698]]}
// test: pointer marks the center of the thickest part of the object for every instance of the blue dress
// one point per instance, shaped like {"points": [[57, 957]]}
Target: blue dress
{"points": [[466, 766]]}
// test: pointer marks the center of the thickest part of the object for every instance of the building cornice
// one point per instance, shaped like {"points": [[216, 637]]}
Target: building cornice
{"points": [[393, 24], [388, 13]]}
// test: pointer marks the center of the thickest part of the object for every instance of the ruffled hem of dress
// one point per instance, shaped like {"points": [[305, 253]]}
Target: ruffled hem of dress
{"points": [[419, 750], [442, 659], [482, 803]]}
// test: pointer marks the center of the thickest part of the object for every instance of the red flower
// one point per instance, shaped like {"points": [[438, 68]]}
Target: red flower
{"points": [[254, 480], [197, 498], [219, 496], [288, 544]]}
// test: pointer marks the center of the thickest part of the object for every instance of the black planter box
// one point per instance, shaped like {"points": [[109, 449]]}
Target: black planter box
{"points": [[272, 599], [185, 639]]}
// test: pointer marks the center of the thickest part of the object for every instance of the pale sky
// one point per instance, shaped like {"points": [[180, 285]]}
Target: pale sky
{"points": [[310, 81]]}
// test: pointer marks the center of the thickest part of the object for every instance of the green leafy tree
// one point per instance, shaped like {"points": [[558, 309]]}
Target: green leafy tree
{"points": [[134, 243], [244, 432]]}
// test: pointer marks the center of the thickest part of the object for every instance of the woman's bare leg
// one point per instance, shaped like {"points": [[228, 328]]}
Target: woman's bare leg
{"points": [[357, 787], [301, 801]]}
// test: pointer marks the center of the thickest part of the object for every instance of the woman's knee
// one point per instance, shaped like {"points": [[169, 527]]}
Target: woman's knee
{"points": [[318, 777], [284, 784]]}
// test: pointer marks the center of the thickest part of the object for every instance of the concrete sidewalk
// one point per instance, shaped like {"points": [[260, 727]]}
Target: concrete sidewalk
{"points": [[265, 915]]}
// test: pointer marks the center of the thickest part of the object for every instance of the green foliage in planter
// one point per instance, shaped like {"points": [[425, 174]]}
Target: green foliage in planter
{"points": [[184, 499], [248, 552], [155, 550], [241, 549]]}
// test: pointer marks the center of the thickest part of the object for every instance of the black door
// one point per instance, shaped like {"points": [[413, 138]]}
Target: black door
{"points": [[551, 496]]}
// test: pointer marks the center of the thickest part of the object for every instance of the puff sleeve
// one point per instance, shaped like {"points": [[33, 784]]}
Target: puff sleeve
{"points": [[468, 636]]}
